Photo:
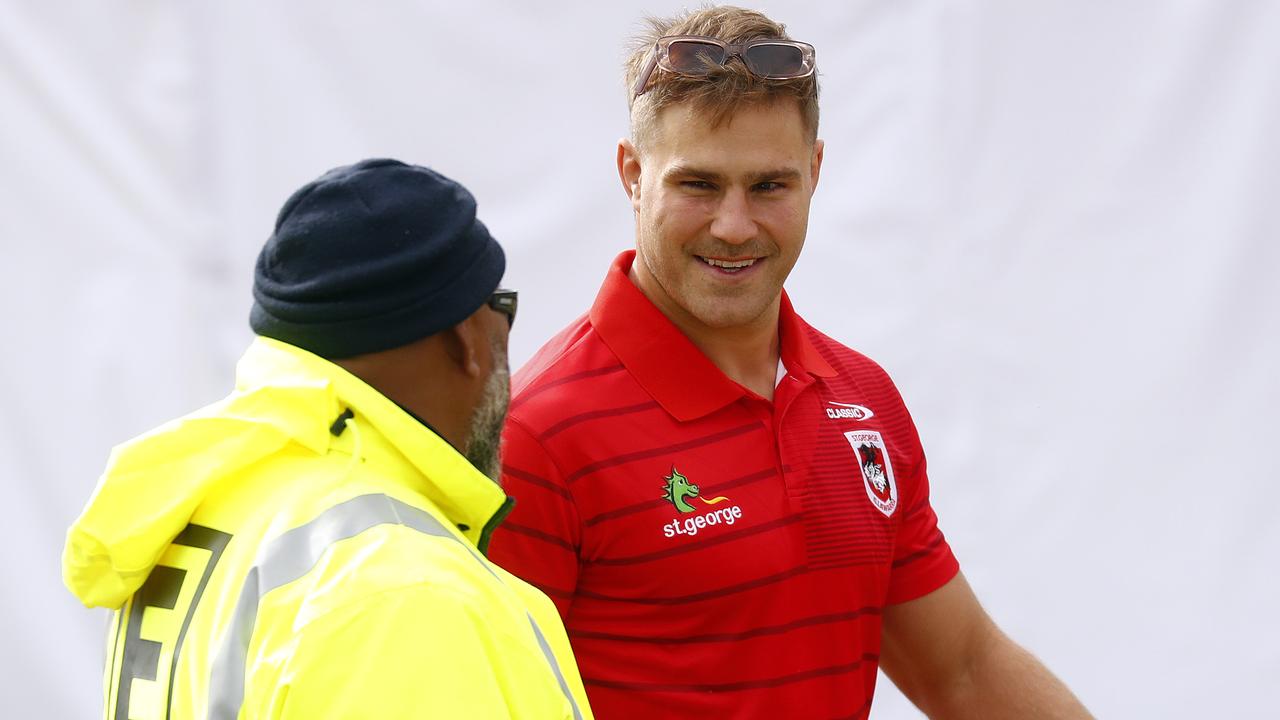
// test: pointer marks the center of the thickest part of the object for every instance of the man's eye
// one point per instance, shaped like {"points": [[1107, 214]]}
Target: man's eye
{"points": [[769, 186], [697, 185]]}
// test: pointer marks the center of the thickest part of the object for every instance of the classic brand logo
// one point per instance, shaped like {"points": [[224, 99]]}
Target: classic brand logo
{"points": [[877, 472], [679, 491], [839, 411]]}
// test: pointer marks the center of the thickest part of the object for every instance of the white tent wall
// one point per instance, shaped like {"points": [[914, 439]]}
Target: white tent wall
{"points": [[1056, 224]]}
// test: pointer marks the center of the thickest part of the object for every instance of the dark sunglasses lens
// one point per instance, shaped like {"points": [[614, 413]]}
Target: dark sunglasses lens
{"points": [[694, 58], [775, 61]]}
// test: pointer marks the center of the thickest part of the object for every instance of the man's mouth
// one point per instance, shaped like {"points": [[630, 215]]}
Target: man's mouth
{"points": [[729, 266]]}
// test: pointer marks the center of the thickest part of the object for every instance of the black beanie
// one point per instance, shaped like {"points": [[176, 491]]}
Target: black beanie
{"points": [[370, 257]]}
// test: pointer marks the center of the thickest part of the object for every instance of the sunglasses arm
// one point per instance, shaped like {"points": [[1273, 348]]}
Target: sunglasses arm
{"points": [[643, 80]]}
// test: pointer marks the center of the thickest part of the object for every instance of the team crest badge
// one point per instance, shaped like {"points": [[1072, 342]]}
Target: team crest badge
{"points": [[877, 473]]}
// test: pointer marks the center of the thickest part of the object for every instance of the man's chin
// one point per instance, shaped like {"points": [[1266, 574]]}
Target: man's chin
{"points": [[484, 450], [722, 316]]}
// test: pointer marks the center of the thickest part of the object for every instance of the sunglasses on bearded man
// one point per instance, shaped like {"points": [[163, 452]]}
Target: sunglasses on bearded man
{"points": [[505, 302]]}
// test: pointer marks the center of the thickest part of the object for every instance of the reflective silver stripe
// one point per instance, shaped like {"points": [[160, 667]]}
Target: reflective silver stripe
{"points": [[555, 668], [292, 555]]}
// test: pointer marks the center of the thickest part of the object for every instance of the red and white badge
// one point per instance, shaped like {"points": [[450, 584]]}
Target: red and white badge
{"points": [[877, 472]]}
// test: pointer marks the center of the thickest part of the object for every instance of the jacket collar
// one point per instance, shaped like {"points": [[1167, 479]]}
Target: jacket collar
{"points": [[667, 364], [390, 436]]}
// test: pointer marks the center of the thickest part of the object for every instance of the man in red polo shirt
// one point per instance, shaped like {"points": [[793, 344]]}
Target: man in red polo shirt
{"points": [[729, 508]]}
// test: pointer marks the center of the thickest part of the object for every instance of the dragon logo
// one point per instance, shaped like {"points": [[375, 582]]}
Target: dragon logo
{"points": [[677, 490], [873, 469]]}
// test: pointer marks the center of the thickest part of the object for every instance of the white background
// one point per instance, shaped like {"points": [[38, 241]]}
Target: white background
{"points": [[1055, 223]]}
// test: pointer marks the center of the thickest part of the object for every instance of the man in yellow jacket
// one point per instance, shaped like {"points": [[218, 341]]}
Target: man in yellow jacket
{"points": [[312, 546]]}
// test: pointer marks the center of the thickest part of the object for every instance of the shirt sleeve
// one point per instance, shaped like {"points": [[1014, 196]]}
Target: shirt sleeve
{"points": [[539, 540], [413, 652], [922, 559]]}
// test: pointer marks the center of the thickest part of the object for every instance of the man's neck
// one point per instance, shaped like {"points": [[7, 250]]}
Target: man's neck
{"points": [[747, 354]]}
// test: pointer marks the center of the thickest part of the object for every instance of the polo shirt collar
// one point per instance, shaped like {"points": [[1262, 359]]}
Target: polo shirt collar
{"points": [[666, 363]]}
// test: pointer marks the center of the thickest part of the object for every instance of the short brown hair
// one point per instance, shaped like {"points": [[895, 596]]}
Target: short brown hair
{"points": [[727, 88]]}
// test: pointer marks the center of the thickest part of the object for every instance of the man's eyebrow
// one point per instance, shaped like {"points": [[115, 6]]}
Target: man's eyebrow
{"points": [[783, 173], [777, 174], [691, 171]]}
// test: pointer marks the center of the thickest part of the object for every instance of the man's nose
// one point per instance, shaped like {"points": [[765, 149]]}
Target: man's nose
{"points": [[733, 222]]}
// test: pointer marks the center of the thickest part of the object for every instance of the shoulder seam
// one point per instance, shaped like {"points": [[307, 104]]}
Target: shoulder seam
{"points": [[558, 357], [560, 474]]}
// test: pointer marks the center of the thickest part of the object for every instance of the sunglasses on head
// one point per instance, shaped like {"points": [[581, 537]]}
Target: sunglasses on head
{"points": [[771, 59], [504, 301]]}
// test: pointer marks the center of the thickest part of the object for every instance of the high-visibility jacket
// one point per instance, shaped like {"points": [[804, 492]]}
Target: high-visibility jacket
{"points": [[307, 549]]}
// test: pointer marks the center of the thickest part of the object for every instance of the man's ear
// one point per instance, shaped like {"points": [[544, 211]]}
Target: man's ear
{"points": [[629, 170], [815, 163], [462, 343]]}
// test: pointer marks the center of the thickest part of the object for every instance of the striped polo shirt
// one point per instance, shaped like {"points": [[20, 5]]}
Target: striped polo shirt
{"points": [[715, 554]]}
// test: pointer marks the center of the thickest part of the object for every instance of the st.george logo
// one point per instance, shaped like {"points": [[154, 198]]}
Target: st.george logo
{"points": [[679, 491], [877, 472]]}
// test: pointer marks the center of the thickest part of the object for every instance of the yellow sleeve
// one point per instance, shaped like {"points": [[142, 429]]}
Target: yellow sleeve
{"points": [[416, 652]]}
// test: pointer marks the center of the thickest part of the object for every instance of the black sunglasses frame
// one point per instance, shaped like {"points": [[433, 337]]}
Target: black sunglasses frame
{"points": [[505, 301]]}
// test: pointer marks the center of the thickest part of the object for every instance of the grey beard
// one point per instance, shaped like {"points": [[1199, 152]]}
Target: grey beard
{"points": [[484, 448]]}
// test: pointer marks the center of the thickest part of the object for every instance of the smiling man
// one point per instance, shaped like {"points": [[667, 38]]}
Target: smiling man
{"points": [[729, 508]]}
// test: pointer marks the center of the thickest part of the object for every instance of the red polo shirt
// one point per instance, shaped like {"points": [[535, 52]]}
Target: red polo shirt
{"points": [[714, 554]]}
